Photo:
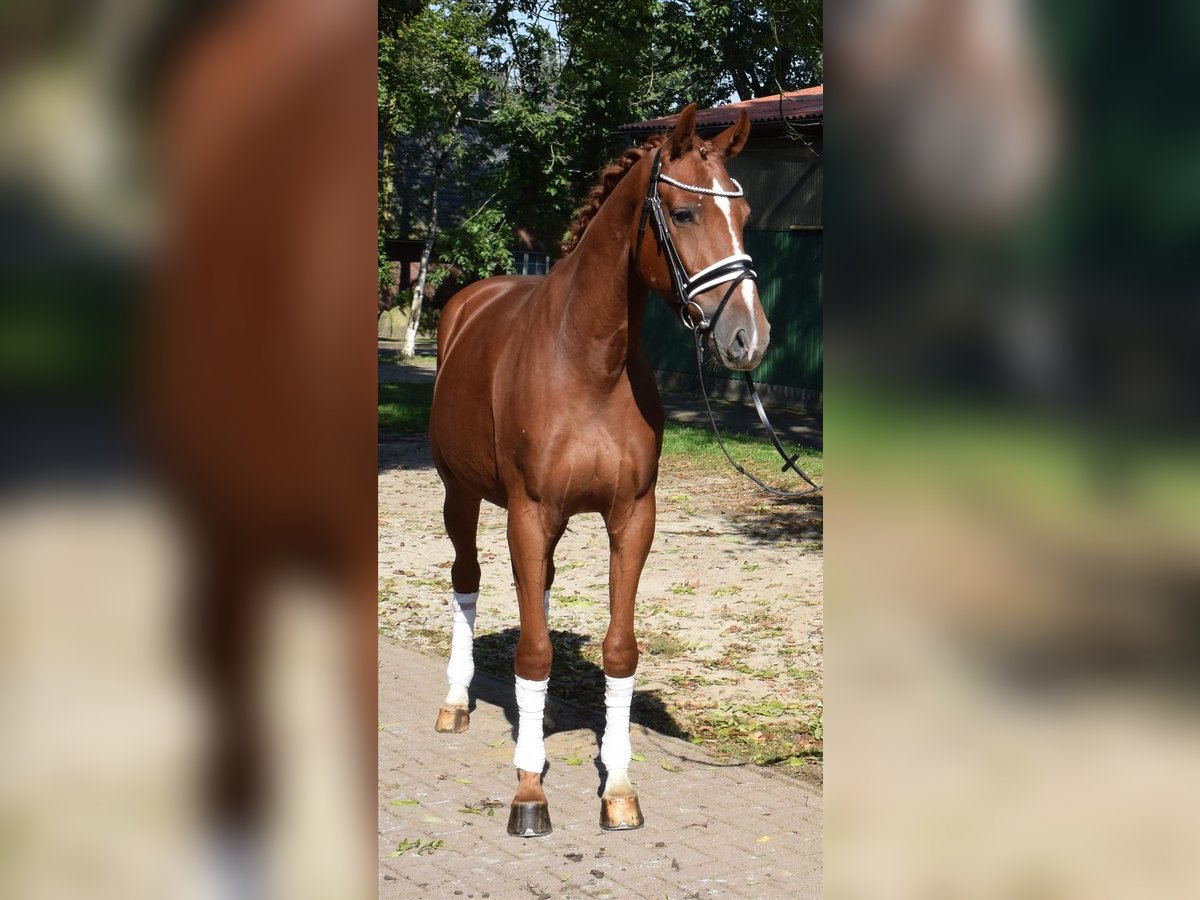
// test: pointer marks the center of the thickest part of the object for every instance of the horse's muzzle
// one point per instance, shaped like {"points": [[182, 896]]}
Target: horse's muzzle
{"points": [[738, 349]]}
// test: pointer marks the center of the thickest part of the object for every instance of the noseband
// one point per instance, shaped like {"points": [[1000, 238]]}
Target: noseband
{"points": [[734, 269]]}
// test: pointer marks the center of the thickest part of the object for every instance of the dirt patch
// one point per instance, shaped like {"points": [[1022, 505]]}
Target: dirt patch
{"points": [[728, 615]]}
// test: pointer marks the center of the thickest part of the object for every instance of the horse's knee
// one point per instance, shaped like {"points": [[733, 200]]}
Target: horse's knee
{"points": [[620, 654], [534, 656]]}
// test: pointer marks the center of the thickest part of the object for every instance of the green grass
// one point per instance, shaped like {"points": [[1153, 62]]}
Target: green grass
{"points": [[1060, 471], [756, 454], [404, 408], [768, 731]]}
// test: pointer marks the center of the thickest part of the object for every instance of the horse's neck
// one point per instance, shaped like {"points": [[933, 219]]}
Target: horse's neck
{"points": [[606, 300]]}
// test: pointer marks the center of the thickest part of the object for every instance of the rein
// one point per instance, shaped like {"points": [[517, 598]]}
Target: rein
{"points": [[733, 269]]}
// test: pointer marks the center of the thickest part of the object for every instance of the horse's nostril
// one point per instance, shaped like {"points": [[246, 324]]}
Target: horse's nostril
{"points": [[741, 341]]}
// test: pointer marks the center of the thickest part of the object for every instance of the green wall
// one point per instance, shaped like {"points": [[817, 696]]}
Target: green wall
{"points": [[788, 264]]}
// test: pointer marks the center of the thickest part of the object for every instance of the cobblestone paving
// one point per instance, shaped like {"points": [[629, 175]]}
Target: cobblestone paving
{"points": [[712, 829]]}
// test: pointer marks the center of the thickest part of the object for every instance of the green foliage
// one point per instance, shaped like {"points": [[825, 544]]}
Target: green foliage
{"points": [[386, 278], [480, 245], [536, 181], [430, 70], [567, 72], [518, 100], [431, 78], [764, 46]]}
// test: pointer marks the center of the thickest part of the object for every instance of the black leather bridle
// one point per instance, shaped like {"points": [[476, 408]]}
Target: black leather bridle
{"points": [[732, 270]]}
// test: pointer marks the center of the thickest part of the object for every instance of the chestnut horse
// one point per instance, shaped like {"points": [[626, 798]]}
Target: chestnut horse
{"points": [[545, 405]]}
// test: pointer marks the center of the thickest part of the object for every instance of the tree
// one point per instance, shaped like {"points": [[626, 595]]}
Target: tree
{"points": [[764, 46], [431, 81], [568, 71]]}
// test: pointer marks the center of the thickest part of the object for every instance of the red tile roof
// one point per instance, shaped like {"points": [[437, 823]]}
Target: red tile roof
{"points": [[792, 106]]}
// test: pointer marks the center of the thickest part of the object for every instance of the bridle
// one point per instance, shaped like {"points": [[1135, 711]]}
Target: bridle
{"points": [[733, 269]]}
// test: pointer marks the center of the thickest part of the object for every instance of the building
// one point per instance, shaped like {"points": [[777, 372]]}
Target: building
{"points": [[781, 172]]}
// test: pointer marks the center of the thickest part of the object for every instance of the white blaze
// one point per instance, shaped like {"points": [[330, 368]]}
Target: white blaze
{"points": [[726, 208]]}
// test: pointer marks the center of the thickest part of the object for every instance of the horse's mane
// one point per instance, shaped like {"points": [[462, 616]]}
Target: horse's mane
{"points": [[610, 177]]}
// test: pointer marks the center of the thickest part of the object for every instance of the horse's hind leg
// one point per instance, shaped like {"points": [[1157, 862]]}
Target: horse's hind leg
{"points": [[461, 512]]}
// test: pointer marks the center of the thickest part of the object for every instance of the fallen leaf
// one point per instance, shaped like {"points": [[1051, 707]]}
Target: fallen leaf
{"points": [[403, 802], [763, 839]]}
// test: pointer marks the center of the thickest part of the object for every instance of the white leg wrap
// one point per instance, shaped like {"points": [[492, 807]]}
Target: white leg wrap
{"points": [[461, 667], [615, 749], [530, 754]]}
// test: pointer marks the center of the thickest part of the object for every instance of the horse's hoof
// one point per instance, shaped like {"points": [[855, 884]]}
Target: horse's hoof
{"points": [[620, 813], [529, 820], [452, 720]]}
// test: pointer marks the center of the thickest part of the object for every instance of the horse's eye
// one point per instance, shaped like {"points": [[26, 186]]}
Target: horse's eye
{"points": [[682, 216]]}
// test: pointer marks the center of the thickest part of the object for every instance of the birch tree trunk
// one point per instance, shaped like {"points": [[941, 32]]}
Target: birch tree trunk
{"points": [[414, 313], [418, 295]]}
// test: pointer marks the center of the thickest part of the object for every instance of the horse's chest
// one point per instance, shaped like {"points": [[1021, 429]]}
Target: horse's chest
{"points": [[589, 464]]}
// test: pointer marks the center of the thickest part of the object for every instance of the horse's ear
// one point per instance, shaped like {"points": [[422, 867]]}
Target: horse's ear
{"points": [[729, 143], [685, 130]]}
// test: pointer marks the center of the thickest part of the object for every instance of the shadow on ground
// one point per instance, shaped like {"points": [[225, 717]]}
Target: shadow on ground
{"points": [[576, 698], [576, 682], [777, 520], [408, 452]]}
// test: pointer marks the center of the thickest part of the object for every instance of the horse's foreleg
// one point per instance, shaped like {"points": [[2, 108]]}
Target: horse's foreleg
{"points": [[548, 723], [461, 513], [530, 542], [630, 533]]}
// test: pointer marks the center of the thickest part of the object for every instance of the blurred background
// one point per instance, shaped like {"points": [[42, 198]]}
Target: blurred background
{"points": [[1012, 488], [187, 492]]}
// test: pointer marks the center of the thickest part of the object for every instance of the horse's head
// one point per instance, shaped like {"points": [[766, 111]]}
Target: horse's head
{"points": [[703, 213]]}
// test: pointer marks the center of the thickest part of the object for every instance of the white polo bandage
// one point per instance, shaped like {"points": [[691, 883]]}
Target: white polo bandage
{"points": [[530, 754], [461, 667], [615, 748]]}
